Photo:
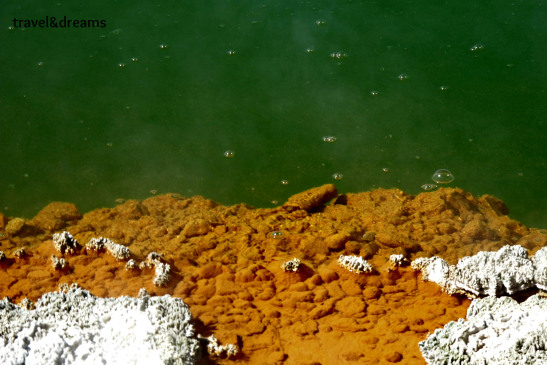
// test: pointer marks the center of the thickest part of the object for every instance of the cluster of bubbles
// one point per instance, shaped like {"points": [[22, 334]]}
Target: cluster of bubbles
{"points": [[428, 187], [476, 47], [277, 234], [229, 153], [329, 139], [441, 176], [337, 176], [284, 182], [338, 55]]}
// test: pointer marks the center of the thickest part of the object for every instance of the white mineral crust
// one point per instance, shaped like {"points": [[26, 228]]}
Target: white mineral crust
{"points": [[498, 331], [506, 271], [78, 328], [354, 264], [540, 265]]}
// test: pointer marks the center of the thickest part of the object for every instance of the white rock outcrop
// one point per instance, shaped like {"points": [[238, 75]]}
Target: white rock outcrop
{"points": [[75, 327], [498, 331], [64, 242], [507, 271], [119, 252], [354, 264]]}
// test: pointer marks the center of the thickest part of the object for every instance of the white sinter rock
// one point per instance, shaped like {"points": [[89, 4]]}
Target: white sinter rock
{"points": [[506, 271], [75, 327], [498, 331]]}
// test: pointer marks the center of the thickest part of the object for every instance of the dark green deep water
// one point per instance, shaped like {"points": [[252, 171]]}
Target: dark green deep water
{"points": [[152, 101]]}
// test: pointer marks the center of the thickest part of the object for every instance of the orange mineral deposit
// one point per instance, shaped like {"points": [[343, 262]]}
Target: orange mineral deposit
{"points": [[270, 281]]}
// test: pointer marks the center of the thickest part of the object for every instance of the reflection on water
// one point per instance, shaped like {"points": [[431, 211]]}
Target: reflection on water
{"points": [[158, 99]]}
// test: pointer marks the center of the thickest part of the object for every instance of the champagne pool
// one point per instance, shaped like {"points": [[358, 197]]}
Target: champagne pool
{"points": [[253, 102]]}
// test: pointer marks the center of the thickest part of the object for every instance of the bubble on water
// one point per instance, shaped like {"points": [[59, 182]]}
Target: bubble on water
{"points": [[134, 59], [229, 153], [109, 144], [417, 157], [277, 234], [443, 88], [520, 174], [442, 176], [153, 191], [374, 93], [337, 176], [120, 200], [329, 139], [121, 65], [309, 50], [231, 52], [402, 77], [275, 202], [428, 187], [284, 182], [476, 47], [41, 63], [385, 169], [320, 22], [26, 175], [338, 55], [164, 46]]}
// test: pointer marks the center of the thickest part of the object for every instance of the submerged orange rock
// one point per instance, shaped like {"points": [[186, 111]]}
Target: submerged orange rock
{"points": [[227, 264]]}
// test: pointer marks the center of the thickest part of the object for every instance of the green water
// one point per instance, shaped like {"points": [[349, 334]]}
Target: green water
{"points": [[152, 101]]}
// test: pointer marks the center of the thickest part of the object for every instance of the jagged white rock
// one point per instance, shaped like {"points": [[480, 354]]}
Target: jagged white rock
{"points": [[507, 271], [20, 252], [291, 265], [64, 242], [354, 264], [131, 264], [120, 252], [498, 331], [214, 347], [162, 269], [78, 328], [162, 273], [396, 261], [58, 263], [540, 265]]}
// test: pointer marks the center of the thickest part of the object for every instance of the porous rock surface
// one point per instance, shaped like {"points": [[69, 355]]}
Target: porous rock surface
{"points": [[506, 271], [498, 331], [226, 264], [76, 327]]}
